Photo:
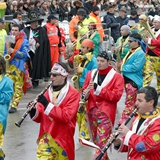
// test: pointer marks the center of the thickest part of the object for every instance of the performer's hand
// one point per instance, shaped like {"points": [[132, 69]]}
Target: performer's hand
{"points": [[91, 85], [116, 142], [30, 104], [146, 40], [37, 45], [123, 130], [76, 27], [42, 99], [10, 50]]}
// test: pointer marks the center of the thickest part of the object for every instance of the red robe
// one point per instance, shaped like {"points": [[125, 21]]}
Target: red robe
{"points": [[106, 98], [145, 145], [60, 121]]}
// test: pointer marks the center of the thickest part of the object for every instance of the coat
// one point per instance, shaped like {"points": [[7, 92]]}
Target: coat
{"points": [[132, 68], [107, 95], [41, 61], [60, 121], [144, 144], [112, 23], [6, 92]]}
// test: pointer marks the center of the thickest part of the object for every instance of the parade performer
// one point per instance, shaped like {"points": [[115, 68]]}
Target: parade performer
{"points": [[3, 7], [122, 46], [56, 112], [18, 53], [94, 35], [132, 71], [85, 62], [102, 94], [153, 55], [39, 48], [3, 33], [6, 92], [95, 14], [142, 140], [82, 25]]}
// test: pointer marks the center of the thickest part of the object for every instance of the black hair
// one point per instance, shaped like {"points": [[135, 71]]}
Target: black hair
{"points": [[150, 93], [137, 36], [64, 66], [133, 12], [16, 14], [2, 65], [16, 25]]}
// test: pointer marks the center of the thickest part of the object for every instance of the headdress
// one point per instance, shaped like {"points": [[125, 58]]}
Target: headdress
{"points": [[59, 69], [33, 17]]}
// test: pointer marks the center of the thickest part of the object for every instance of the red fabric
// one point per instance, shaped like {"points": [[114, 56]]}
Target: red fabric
{"points": [[52, 29], [54, 50], [62, 127], [108, 97], [71, 58], [152, 151], [105, 71], [155, 42]]}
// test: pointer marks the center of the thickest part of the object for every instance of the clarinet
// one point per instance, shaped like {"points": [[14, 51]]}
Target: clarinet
{"points": [[83, 98], [18, 124], [116, 135]]}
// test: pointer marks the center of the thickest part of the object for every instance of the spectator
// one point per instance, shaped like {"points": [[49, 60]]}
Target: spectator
{"points": [[63, 11], [122, 16], [37, 6], [18, 16], [112, 23], [20, 8], [77, 4], [134, 17], [54, 8], [26, 7], [9, 10], [89, 5], [44, 11], [31, 6]]}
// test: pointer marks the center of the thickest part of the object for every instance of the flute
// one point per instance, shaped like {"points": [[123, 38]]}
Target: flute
{"points": [[116, 135], [83, 99], [18, 124]]}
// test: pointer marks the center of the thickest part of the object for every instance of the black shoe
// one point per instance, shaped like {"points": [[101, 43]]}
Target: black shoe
{"points": [[12, 110]]}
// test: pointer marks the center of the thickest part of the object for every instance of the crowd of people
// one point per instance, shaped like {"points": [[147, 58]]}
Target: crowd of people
{"points": [[30, 52]]}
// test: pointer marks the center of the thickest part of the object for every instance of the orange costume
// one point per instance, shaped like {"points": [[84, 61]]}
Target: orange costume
{"points": [[52, 32], [72, 29], [98, 25]]}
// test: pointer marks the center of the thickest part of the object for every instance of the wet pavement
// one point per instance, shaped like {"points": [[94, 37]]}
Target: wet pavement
{"points": [[20, 143]]}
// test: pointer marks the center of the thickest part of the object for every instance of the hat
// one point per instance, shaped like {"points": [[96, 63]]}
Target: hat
{"points": [[87, 43], [1, 20], [126, 28], [95, 8], [157, 18], [123, 9], [33, 17], [81, 11], [51, 16], [60, 68], [106, 55], [16, 21], [79, 2]]}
